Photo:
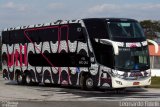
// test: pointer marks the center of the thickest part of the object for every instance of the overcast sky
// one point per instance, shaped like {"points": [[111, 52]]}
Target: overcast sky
{"points": [[25, 12]]}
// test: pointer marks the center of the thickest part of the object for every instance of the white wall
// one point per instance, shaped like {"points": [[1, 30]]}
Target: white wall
{"points": [[155, 72]]}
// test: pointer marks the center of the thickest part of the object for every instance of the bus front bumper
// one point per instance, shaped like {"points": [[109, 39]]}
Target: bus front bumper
{"points": [[122, 83]]}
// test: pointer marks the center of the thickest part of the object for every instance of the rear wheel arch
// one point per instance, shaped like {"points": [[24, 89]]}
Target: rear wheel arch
{"points": [[19, 77]]}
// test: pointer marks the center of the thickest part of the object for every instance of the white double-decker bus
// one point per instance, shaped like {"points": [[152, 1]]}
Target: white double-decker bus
{"points": [[89, 53]]}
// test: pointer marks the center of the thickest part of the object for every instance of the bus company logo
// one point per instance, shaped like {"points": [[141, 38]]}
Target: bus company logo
{"points": [[136, 74], [18, 58], [132, 45]]}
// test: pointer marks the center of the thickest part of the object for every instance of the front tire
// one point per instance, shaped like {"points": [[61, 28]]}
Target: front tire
{"points": [[87, 83]]}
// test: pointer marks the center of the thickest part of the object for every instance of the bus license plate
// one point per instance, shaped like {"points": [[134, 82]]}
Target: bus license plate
{"points": [[135, 83]]}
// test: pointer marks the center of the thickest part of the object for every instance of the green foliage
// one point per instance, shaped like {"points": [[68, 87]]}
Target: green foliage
{"points": [[155, 82], [0, 53], [151, 28]]}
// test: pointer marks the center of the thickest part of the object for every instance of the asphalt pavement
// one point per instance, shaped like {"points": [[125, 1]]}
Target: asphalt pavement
{"points": [[13, 95]]}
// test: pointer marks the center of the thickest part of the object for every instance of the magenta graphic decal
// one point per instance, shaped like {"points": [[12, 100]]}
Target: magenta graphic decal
{"points": [[16, 57]]}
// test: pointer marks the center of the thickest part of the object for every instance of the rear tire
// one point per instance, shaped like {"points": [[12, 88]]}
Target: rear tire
{"points": [[28, 79], [20, 79]]}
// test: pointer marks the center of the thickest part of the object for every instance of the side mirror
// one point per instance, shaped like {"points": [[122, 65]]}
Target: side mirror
{"points": [[155, 45], [115, 46]]}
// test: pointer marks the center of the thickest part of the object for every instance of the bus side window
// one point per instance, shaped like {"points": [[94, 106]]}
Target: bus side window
{"points": [[14, 36], [11, 37], [64, 32], [2, 38], [53, 34], [17, 37], [5, 37], [50, 34], [97, 29], [76, 33], [31, 35], [26, 40], [37, 36], [21, 37]]}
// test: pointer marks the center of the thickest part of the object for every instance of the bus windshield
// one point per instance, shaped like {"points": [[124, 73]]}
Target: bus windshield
{"points": [[132, 58], [122, 29]]}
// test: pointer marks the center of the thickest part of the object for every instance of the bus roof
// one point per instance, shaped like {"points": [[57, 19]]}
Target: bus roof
{"points": [[59, 22], [111, 19]]}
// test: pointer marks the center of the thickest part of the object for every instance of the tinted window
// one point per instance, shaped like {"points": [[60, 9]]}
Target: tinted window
{"points": [[12, 37], [50, 34], [64, 31], [42, 35], [5, 37], [97, 29], [75, 32], [103, 53], [20, 35]]}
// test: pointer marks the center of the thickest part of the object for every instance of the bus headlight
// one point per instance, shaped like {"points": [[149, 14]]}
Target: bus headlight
{"points": [[147, 73], [119, 74], [114, 73]]}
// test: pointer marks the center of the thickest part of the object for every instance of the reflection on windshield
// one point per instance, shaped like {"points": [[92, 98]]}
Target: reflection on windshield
{"points": [[125, 29], [132, 58]]}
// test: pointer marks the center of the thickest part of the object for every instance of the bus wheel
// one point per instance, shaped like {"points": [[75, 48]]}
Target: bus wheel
{"points": [[88, 83], [19, 79], [28, 79]]}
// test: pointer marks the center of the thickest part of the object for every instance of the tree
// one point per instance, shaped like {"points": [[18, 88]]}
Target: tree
{"points": [[151, 28], [0, 52]]}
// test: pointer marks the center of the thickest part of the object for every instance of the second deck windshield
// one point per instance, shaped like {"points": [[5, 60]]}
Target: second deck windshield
{"points": [[120, 29]]}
